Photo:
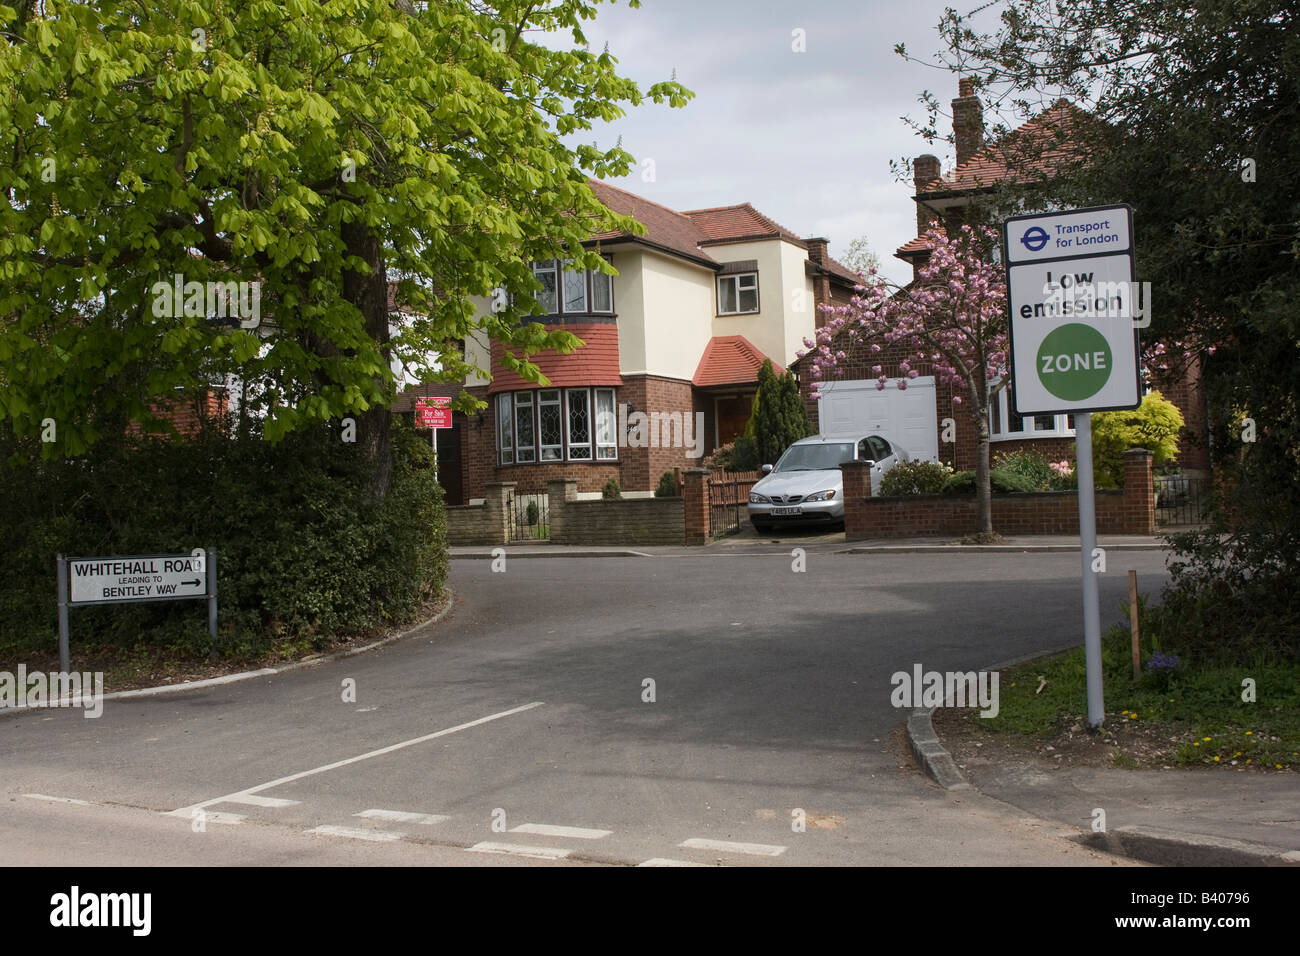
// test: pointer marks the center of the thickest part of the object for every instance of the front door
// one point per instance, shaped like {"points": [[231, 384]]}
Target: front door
{"points": [[733, 415]]}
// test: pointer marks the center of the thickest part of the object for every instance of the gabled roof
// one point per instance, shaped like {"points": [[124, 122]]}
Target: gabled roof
{"points": [[687, 233], [1022, 150], [739, 223], [665, 228], [729, 360], [833, 268]]}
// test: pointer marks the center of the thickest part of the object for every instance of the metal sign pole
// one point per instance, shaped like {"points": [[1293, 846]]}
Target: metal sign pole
{"points": [[212, 593], [1087, 544], [65, 664]]}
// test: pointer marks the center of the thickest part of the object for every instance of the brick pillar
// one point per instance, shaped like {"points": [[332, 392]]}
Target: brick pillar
{"points": [[856, 479], [967, 121], [496, 511], [559, 491], [696, 494], [1139, 493]]}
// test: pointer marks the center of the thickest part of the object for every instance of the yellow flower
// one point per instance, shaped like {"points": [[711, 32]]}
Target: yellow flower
{"points": [[1247, 734], [1216, 759], [1279, 766], [1211, 738], [1196, 744]]}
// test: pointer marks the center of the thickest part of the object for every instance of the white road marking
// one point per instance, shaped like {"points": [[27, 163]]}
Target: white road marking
{"points": [[517, 849], [723, 846], [402, 816], [546, 829], [664, 861], [228, 819], [186, 811], [42, 796], [253, 800], [352, 833]]}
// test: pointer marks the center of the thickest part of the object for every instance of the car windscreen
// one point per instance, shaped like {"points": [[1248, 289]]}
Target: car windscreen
{"points": [[815, 457]]}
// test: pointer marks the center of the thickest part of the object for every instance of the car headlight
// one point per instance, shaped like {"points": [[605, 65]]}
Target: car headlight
{"points": [[757, 499], [821, 495]]}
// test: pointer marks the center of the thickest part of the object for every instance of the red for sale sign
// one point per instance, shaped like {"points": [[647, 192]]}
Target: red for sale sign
{"points": [[433, 412]]}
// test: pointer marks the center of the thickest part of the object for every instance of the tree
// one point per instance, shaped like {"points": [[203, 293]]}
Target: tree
{"points": [[860, 257], [1198, 127], [951, 320], [322, 152], [779, 418]]}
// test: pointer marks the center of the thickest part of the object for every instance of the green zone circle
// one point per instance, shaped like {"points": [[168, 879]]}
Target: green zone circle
{"points": [[1074, 361]]}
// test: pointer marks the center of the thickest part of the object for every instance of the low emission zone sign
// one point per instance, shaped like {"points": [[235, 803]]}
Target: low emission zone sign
{"points": [[1075, 310]]}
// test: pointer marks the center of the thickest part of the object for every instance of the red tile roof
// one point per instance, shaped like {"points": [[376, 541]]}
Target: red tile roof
{"points": [[594, 363], [665, 228], [1039, 145], [729, 360], [738, 223]]}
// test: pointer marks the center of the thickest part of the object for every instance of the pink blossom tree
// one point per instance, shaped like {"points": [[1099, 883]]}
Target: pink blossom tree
{"points": [[951, 319]]}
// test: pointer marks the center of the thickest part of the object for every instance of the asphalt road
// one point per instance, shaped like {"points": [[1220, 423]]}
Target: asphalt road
{"points": [[518, 729]]}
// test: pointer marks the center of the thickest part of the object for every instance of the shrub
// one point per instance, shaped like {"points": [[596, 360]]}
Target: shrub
{"points": [[611, 491], [1001, 481], [1028, 465], [667, 486], [739, 455], [532, 513], [915, 478], [303, 557], [1153, 425]]}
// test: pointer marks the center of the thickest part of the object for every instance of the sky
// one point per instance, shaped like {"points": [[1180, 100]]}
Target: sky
{"points": [[805, 137]]}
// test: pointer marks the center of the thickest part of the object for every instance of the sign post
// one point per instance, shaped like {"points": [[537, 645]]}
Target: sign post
{"points": [[1073, 326], [433, 413], [131, 579]]}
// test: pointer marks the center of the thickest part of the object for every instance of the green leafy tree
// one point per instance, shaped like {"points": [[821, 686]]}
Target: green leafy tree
{"points": [[779, 418], [326, 151], [1153, 425]]}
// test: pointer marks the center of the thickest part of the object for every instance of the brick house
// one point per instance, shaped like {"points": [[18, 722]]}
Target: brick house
{"points": [[946, 198], [668, 369]]}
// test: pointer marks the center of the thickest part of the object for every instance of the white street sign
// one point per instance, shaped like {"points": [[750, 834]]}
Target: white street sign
{"points": [[140, 578], [1074, 311]]}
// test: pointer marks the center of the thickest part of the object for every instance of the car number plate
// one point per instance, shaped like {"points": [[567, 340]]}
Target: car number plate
{"points": [[787, 511]]}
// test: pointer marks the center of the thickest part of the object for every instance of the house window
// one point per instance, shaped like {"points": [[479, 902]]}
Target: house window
{"points": [[573, 292], [545, 274], [579, 405], [1004, 425], [554, 424], [606, 422], [738, 294], [525, 437], [505, 434]]}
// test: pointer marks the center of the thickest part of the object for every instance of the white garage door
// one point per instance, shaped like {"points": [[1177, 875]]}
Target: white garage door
{"points": [[906, 416]]}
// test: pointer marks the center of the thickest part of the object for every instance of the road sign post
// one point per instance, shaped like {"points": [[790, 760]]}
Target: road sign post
{"points": [[133, 579], [434, 413], [1074, 316]]}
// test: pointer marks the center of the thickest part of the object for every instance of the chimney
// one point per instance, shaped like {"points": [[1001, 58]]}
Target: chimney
{"points": [[925, 171], [816, 249], [967, 120]]}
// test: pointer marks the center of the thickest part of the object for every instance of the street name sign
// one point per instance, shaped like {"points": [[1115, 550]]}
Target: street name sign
{"points": [[1073, 309], [166, 577], [127, 579]]}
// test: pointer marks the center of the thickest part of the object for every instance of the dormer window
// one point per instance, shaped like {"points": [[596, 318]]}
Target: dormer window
{"points": [[738, 288]]}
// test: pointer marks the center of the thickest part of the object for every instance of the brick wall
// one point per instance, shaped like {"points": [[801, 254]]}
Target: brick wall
{"points": [[188, 412], [487, 523], [1130, 511], [628, 521]]}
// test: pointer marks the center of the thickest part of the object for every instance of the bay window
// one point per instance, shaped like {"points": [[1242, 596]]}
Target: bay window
{"points": [[569, 291], [552, 424]]}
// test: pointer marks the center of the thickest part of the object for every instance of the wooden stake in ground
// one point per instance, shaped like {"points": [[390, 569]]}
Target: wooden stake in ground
{"points": [[1133, 621]]}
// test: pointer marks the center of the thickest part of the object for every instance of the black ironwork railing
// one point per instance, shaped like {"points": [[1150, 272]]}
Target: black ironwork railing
{"points": [[1181, 500], [530, 518]]}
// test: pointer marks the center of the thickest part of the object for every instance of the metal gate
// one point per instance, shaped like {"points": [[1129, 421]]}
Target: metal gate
{"points": [[529, 517], [728, 496], [1181, 500]]}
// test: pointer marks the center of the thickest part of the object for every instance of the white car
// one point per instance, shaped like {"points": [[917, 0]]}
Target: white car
{"points": [[806, 484]]}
